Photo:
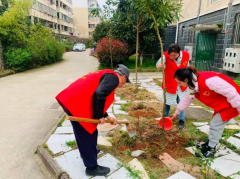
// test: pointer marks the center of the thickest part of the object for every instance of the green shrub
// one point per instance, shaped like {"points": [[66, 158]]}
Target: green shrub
{"points": [[17, 59], [237, 81], [89, 45], [43, 46], [107, 48]]}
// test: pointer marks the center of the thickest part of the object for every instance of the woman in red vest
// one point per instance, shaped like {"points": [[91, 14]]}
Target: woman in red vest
{"points": [[174, 59], [215, 90], [90, 97]]}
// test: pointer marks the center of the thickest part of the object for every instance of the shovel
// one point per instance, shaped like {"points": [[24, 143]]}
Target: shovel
{"points": [[130, 128], [167, 123]]}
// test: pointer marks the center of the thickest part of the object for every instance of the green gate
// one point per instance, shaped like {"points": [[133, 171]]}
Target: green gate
{"points": [[205, 51]]}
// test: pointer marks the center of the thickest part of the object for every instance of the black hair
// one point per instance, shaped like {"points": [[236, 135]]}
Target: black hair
{"points": [[187, 73], [174, 48]]}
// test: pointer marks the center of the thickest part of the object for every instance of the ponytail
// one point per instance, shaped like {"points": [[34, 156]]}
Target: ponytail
{"points": [[189, 73]]}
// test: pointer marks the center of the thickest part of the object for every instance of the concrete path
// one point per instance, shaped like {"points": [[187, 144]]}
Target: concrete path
{"points": [[26, 119]]}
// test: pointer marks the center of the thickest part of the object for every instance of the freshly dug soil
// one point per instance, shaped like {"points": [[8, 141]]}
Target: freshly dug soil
{"points": [[145, 109], [128, 92]]}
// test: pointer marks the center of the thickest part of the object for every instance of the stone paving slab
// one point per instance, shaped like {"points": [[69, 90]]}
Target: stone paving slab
{"points": [[116, 106], [64, 130], [181, 175], [198, 124], [137, 166], [205, 129], [72, 163], [227, 165], [121, 102], [111, 115], [122, 173], [221, 152], [234, 127], [109, 110], [57, 143], [109, 161], [103, 141], [237, 176], [117, 111], [171, 163], [238, 135], [66, 123], [234, 141]]}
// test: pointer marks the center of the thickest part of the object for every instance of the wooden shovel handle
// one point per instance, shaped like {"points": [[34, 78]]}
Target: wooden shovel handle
{"points": [[79, 119]]}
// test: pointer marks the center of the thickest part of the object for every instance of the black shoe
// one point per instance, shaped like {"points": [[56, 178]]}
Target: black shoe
{"points": [[200, 146], [97, 171], [206, 151], [181, 124]]}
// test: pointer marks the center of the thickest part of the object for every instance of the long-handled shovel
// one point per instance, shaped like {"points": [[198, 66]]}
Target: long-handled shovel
{"points": [[167, 123], [130, 129]]}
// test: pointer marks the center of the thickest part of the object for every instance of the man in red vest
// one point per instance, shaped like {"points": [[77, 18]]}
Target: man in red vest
{"points": [[90, 97], [174, 59]]}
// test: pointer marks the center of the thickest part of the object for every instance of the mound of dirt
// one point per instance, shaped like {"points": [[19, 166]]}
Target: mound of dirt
{"points": [[128, 92], [145, 109]]}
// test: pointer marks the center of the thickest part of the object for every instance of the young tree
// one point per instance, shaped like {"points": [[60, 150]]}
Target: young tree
{"points": [[138, 20], [163, 13]]}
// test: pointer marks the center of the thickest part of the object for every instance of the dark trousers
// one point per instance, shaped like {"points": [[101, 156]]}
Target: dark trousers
{"points": [[87, 143]]}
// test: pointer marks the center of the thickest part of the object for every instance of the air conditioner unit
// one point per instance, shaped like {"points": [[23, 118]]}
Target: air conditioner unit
{"points": [[190, 51], [231, 61]]}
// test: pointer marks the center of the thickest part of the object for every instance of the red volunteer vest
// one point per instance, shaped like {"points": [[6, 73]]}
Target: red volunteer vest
{"points": [[171, 67], [77, 98], [215, 100]]}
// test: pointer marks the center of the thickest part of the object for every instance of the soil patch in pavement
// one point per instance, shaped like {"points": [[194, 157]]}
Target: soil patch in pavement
{"points": [[129, 92]]}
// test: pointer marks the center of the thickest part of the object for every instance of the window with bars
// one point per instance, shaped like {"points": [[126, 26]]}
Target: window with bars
{"points": [[191, 36], [236, 35]]}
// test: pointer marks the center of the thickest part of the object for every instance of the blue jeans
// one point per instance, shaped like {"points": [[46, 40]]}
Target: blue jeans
{"points": [[167, 109]]}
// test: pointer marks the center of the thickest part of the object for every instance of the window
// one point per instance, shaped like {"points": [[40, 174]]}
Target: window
{"points": [[182, 31], [213, 1], [191, 36], [236, 35], [91, 26]]}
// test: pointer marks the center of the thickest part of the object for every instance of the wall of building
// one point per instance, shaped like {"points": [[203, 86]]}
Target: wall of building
{"points": [[80, 16], [217, 17]]}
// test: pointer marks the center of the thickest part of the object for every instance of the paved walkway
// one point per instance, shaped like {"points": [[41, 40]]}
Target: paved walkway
{"points": [[26, 119]]}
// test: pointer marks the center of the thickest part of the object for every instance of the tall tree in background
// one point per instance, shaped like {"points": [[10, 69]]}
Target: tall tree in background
{"points": [[12, 24], [162, 13]]}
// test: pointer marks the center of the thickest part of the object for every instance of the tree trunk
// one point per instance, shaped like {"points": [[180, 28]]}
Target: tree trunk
{"points": [[141, 59], [1, 57], [161, 45], [137, 54]]}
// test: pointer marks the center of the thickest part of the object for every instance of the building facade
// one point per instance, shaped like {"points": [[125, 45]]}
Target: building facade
{"points": [[206, 29], [84, 22], [54, 14]]}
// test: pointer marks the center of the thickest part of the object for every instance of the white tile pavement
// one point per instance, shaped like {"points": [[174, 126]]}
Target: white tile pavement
{"points": [[227, 165], [64, 130], [57, 143], [181, 175]]}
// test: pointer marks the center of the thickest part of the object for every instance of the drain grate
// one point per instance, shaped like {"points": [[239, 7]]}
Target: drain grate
{"points": [[54, 106]]}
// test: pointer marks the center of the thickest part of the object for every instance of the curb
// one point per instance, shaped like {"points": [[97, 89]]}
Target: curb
{"points": [[50, 164]]}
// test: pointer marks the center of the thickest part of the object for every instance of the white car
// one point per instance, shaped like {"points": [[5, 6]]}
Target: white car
{"points": [[79, 47]]}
